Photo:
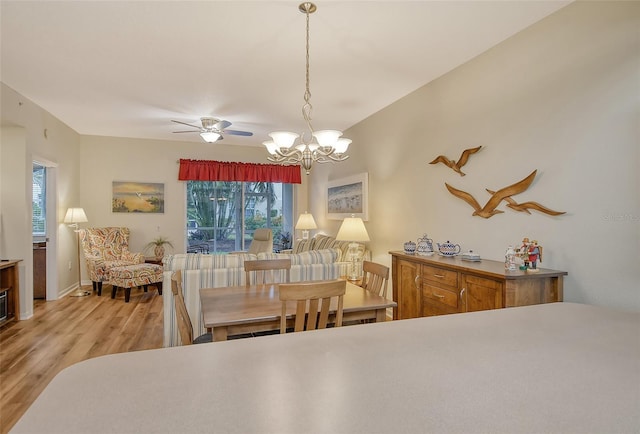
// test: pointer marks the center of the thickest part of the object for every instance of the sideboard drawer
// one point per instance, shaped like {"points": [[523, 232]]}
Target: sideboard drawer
{"points": [[440, 276], [440, 295]]}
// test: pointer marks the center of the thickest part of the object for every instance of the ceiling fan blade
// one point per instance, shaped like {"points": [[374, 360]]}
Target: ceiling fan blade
{"points": [[221, 125], [184, 123], [186, 131], [238, 133]]}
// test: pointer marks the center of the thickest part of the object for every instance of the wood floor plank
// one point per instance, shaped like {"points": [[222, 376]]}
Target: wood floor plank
{"points": [[68, 331]]}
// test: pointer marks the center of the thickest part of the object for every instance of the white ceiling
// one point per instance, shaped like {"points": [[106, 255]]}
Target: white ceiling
{"points": [[127, 68]]}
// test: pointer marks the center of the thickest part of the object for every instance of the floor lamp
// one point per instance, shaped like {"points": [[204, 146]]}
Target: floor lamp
{"points": [[352, 229], [73, 217]]}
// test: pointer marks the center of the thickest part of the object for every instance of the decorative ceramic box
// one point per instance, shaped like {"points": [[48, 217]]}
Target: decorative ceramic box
{"points": [[410, 247]]}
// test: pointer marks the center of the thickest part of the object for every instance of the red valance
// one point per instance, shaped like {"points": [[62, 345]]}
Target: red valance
{"points": [[207, 170]]}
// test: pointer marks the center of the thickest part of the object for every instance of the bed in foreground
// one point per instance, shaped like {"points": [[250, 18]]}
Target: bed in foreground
{"points": [[558, 367]]}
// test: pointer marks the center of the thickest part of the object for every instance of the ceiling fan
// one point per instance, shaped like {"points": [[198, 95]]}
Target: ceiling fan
{"points": [[212, 129]]}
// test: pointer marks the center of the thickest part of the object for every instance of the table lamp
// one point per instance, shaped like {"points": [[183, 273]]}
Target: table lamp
{"points": [[306, 222], [352, 229], [75, 216]]}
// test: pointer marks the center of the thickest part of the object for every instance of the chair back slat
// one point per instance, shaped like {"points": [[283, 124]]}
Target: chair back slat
{"points": [[265, 271], [376, 278], [313, 303]]}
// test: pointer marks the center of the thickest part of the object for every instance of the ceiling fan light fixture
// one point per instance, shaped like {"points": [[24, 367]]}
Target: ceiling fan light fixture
{"points": [[208, 123], [329, 146], [211, 129], [210, 136]]}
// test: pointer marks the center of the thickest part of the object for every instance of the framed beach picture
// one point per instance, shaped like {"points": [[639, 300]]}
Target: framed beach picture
{"points": [[137, 197], [348, 196]]}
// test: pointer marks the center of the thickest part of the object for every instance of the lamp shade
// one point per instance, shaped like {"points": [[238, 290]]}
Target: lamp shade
{"points": [[209, 136], [306, 222], [271, 146], [283, 139], [75, 215], [342, 145], [327, 137], [352, 229]]}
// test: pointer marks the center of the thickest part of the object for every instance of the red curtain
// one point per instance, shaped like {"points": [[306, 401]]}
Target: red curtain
{"points": [[206, 170]]}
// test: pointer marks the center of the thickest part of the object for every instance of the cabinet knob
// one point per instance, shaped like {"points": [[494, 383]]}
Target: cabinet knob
{"points": [[437, 295], [416, 281]]}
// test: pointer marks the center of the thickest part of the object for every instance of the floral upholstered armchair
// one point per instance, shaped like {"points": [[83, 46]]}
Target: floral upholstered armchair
{"points": [[105, 248]]}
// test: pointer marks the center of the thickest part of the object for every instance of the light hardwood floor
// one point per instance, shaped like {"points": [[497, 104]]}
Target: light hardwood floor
{"points": [[67, 331]]}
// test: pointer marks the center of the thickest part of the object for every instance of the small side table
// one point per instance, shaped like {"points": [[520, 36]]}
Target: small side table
{"points": [[153, 260]]}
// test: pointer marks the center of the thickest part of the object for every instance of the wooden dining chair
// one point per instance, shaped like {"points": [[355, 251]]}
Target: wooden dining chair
{"points": [[267, 271], [376, 278], [313, 300], [185, 328]]}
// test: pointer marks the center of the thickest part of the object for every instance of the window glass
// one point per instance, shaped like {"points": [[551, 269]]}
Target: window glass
{"points": [[39, 227], [222, 216]]}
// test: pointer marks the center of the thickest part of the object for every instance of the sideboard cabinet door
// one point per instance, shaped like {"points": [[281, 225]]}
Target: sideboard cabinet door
{"points": [[478, 293], [409, 299]]}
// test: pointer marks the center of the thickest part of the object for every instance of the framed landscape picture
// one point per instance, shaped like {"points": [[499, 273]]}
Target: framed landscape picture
{"points": [[137, 197], [348, 196]]}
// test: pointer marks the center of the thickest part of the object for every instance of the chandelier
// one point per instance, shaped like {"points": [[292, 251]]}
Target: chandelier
{"points": [[330, 145]]}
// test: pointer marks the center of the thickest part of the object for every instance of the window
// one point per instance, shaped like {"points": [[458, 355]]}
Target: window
{"points": [[39, 217], [222, 216]]}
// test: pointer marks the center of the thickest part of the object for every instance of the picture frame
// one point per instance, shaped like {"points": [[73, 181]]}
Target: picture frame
{"points": [[137, 197], [348, 196]]}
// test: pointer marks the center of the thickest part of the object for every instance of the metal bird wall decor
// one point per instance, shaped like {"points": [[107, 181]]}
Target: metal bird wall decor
{"points": [[489, 209], [456, 165]]}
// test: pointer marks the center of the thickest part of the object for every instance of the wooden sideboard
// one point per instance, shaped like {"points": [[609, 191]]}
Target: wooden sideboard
{"points": [[10, 289], [438, 285]]}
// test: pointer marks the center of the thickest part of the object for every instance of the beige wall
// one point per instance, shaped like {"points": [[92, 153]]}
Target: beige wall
{"points": [[108, 159], [561, 97], [30, 133]]}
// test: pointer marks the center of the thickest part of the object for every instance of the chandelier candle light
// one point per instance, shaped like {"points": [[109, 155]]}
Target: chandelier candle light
{"points": [[329, 147], [73, 217], [352, 229]]}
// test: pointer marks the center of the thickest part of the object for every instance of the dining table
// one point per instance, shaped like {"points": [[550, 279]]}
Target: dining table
{"points": [[238, 310]]}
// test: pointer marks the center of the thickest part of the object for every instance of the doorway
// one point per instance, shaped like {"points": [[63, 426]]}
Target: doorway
{"points": [[44, 229]]}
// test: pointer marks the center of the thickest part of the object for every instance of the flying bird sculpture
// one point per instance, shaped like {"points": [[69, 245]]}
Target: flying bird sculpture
{"points": [[456, 165], [526, 206], [489, 209]]}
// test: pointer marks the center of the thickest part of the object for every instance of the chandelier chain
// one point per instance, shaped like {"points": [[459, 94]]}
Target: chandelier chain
{"points": [[307, 108]]}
